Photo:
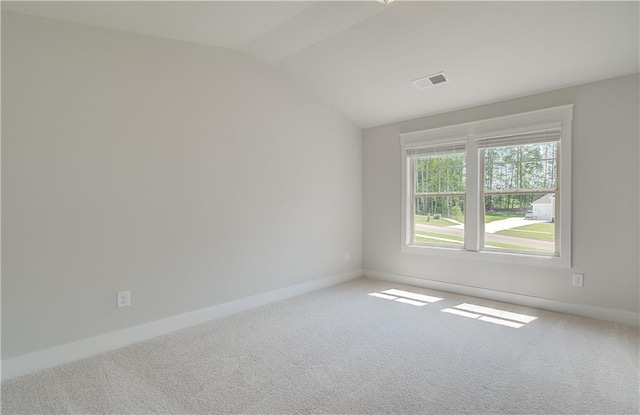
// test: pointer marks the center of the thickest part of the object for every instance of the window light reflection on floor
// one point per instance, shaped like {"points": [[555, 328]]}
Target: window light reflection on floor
{"points": [[522, 318], [490, 315], [406, 297], [413, 296]]}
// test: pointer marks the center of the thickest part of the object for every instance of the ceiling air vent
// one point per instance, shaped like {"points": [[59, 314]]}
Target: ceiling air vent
{"points": [[430, 81]]}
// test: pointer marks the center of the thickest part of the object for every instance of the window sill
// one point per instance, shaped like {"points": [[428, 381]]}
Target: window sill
{"points": [[492, 256]]}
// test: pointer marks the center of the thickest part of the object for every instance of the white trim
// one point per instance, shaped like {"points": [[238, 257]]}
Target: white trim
{"points": [[409, 144], [600, 313], [542, 116], [55, 356], [516, 130], [506, 257]]}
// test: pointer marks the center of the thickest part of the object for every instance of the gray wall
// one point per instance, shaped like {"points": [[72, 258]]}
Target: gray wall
{"points": [[190, 175], [605, 223]]}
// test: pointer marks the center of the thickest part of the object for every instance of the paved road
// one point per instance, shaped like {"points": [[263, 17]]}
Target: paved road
{"points": [[504, 224], [512, 240]]}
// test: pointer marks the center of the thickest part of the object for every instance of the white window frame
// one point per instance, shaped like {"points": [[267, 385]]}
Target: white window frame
{"points": [[561, 116]]}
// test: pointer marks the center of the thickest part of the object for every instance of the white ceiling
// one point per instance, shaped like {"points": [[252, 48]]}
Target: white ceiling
{"points": [[360, 57]]}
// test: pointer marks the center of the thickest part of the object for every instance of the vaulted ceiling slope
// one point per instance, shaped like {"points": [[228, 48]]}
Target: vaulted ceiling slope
{"points": [[361, 56]]}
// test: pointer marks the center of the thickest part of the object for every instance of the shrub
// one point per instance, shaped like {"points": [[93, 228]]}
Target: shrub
{"points": [[456, 213]]}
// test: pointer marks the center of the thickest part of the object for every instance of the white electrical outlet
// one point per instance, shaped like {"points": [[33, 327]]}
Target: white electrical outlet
{"points": [[123, 299], [578, 280], [347, 256]]}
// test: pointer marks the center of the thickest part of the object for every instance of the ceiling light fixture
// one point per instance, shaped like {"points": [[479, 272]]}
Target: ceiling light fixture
{"points": [[385, 1]]}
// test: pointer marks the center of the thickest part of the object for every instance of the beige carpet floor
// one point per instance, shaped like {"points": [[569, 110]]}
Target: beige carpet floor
{"points": [[342, 350]]}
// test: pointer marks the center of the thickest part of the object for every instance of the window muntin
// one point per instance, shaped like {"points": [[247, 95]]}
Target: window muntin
{"points": [[438, 195]]}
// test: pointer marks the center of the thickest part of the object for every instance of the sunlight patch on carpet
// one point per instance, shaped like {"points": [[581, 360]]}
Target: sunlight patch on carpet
{"points": [[461, 313], [406, 297], [522, 318], [413, 296], [490, 315]]}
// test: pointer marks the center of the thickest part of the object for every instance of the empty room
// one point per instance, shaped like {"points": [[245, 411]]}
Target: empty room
{"points": [[344, 207]]}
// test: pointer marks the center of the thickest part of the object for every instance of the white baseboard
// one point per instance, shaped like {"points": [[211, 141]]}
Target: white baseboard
{"points": [[55, 356], [607, 314]]}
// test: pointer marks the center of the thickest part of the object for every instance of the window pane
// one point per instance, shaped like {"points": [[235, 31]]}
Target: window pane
{"points": [[439, 220], [532, 166], [520, 222], [441, 173]]}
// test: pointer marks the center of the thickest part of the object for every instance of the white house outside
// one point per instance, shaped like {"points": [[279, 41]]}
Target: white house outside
{"points": [[544, 208]]}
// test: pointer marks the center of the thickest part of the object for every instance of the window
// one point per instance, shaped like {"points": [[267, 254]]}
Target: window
{"points": [[497, 188], [519, 192], [438, 194]]}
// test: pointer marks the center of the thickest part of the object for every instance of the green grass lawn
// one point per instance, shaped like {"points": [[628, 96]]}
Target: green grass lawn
{"points": [[489, 217], [429, 237], [537, 231], [432, 221], [513, 247]]}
